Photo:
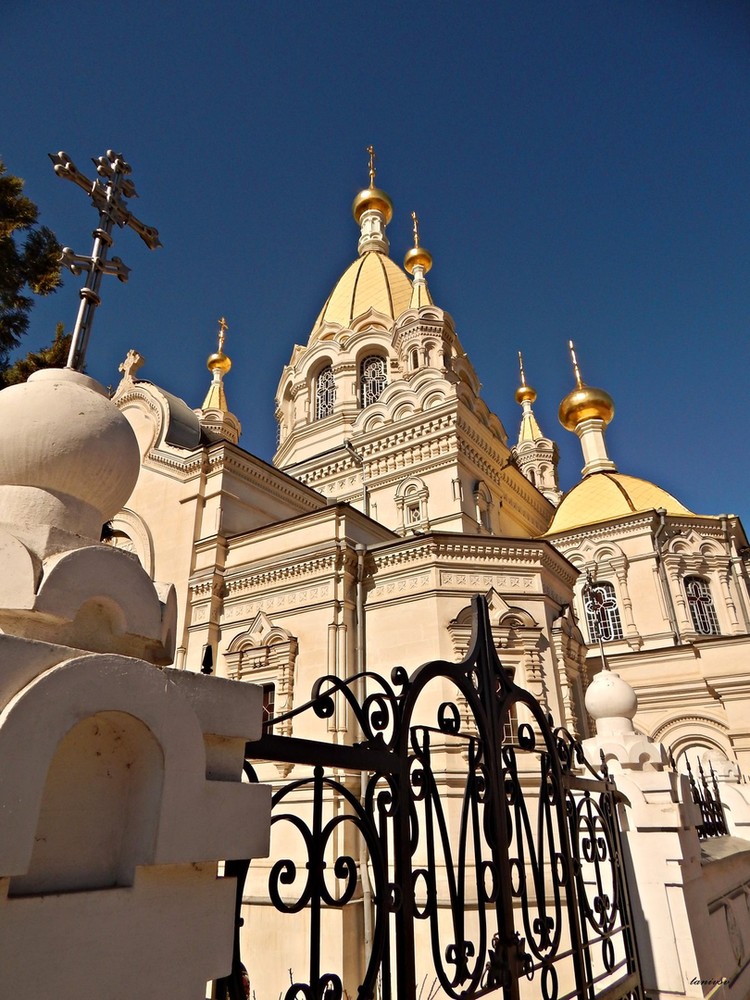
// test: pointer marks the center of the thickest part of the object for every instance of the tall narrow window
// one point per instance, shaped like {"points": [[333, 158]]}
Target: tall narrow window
{"points": [[269, 706], [371, 380], [325, 393], [701, 604], [602, 613]]}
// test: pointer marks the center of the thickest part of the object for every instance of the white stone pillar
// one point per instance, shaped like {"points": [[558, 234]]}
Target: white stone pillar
{"points": [[591, 435]]}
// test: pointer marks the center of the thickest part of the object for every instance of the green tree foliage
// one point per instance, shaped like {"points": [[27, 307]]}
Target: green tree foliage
{"points": [[54, 356], [29, 261]]}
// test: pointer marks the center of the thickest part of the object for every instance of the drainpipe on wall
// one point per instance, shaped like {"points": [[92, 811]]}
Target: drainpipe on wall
{"points": [[364, 858], [664, 579]]}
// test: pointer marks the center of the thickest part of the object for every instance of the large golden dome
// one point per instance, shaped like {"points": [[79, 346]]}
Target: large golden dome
{"points": [[372, 281], [606, 496]]}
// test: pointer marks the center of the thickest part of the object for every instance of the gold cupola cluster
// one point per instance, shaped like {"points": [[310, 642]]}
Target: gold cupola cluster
{"points": [[374, 281]]}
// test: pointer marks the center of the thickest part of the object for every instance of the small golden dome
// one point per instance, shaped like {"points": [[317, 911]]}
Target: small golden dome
{"points": [[372, 198], [219, 361], [585, 402], [524, 393], [417, 257]]}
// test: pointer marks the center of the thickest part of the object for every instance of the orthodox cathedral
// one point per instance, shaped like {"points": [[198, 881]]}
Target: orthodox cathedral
{"points": [[395, 495], [394, 498]]}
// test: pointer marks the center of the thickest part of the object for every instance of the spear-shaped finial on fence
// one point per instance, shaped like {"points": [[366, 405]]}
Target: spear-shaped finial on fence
{"points": [[108, 193]]}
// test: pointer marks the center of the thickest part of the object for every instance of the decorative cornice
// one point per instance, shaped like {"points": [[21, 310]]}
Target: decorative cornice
{"points": [[222, 457], [245, 580], [612, 530], [466, 548], [391, 451]]}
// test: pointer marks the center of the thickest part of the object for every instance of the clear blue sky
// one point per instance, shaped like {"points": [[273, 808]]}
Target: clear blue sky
{"points": [[581, 169]]}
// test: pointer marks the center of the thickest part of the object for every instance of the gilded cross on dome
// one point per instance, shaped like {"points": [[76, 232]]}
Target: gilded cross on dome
{"points": [[223, 327], [576, 369], [371, 151], [415, 228], [133, 361], [520, 366]]}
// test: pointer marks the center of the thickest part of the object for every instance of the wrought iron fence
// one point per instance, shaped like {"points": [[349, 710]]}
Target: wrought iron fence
{"points": [[705, 794], [480, 863]]}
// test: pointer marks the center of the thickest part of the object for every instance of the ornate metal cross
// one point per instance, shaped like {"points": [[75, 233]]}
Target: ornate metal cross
{"points": [[415, 228], [223, 327], [108, 194]]}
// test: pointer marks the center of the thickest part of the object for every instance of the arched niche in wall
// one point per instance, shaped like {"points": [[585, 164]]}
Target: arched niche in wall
{"points": [[128, 531], [411, 499], [690, 736], [483, 505], [100, 807]]}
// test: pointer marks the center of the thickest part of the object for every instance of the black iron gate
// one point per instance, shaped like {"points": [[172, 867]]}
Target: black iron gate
{"points": [[488, 854]]}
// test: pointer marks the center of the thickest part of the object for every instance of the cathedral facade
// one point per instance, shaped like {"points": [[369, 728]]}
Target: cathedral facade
{"points": [[395, 495]]}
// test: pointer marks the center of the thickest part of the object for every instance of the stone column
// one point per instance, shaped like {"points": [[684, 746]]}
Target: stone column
{"points": [[631, 631]]}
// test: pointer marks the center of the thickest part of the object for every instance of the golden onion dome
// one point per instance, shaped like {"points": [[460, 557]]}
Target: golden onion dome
{"points": [[372, 198], [219, 362], [417, 257], [585, 402], [525, 393]]}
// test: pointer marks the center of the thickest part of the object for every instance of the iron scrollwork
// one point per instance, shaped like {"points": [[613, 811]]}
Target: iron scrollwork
{"points": [[493, 860]]}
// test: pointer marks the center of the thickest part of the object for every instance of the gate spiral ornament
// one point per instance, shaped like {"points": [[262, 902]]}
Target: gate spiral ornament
{"points": [[492, 862]]}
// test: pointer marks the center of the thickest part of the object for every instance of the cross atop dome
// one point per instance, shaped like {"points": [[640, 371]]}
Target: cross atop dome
{"points": [[418, 262], [215, 415], [372, 210], [525, 396], [535, 455], [586, 411]]}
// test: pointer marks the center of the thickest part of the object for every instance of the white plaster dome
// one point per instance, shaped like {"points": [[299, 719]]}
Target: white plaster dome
{"points": [[610, 697], [62, 435]]}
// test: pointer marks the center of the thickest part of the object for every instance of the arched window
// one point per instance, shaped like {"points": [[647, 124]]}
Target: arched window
{"points": [[701, 604], [371, 380], [414, 359], [602, 614], [325, 393]]}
